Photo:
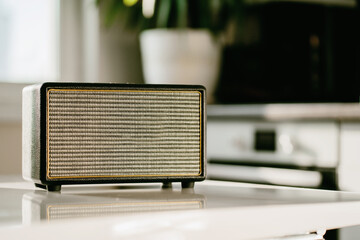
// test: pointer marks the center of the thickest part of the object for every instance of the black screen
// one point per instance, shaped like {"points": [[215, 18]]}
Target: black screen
{"points": [[265, 140]]}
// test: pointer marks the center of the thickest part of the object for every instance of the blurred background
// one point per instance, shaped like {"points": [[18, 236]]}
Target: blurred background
{"points": [[283, 76]]}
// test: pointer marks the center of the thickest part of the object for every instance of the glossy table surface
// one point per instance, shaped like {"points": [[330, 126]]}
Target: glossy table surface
{"points": [[212, 210]]}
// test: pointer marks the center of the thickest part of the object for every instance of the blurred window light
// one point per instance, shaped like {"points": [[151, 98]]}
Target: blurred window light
{"points": [[29, 47]]}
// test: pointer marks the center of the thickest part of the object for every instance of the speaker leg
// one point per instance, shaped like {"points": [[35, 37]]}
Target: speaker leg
{"points": [[54, 188], [40, 186], [187, 184], [166, 185]]}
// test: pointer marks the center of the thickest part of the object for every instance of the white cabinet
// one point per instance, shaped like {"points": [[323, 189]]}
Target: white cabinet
{"points": [[310, 144], [349, 164]]}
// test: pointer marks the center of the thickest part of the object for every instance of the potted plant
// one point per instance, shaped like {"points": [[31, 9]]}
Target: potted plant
{"points": [[180, 40]]}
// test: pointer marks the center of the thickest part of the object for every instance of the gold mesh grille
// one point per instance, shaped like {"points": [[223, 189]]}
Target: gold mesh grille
{"points": [[116, 133]]}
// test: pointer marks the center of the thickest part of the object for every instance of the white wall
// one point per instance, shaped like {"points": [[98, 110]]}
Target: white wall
{"points": [[349, 166], [91, 52], [119, 53], [10, 147], [119, 56], [10, 128]]}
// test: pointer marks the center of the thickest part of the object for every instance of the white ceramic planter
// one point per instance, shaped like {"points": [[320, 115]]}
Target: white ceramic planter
{"points": [[181, 57]]}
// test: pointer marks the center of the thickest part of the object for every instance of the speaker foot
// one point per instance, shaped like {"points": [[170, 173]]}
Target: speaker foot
{"points": [[54, 188], [187, 184], [40, 186], [166, 185]]}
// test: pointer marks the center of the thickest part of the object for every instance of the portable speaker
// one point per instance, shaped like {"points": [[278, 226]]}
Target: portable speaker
{"points": [[78, 133]]}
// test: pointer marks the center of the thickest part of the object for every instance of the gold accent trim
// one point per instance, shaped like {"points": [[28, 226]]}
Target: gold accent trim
{"points": [[200, 123], [116, 176]]}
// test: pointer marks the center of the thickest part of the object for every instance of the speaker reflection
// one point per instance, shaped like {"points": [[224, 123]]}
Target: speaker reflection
{"points": [[41, 205]]}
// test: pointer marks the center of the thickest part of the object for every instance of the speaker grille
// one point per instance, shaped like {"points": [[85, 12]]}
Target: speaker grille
{"points": [[122, 133]]}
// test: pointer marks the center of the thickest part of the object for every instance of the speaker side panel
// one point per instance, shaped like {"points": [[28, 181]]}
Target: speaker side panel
{"points": [[31, 133]]}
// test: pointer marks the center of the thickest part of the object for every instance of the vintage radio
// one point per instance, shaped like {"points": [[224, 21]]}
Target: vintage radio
{"points": [[78, 133]]}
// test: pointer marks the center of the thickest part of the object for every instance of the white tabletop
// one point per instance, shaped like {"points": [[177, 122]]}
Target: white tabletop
{"points": [[213, 210]]}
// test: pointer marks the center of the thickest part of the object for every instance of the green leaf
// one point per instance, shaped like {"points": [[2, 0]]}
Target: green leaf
{"points": [[182, 13], [163, 13], [113, 10]]}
